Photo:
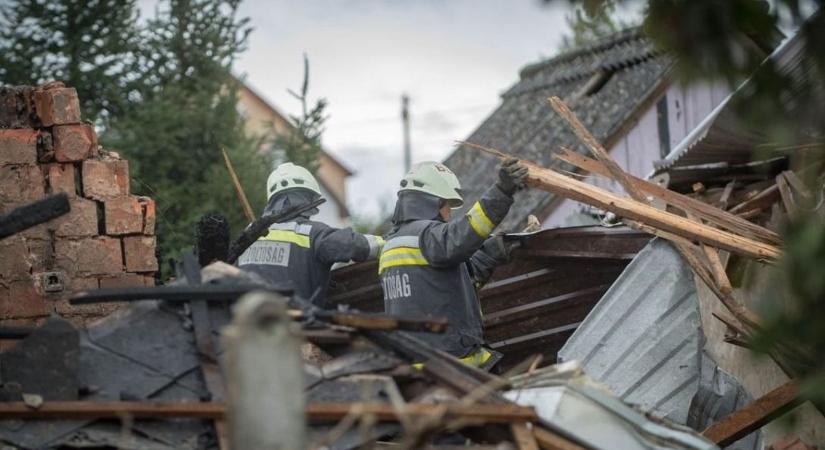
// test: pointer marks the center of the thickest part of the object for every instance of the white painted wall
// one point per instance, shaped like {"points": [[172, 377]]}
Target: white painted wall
{"points": [[636, 151]]}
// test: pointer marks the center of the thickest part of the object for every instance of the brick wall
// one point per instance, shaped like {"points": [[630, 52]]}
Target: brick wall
{"points": [[107, 240]]}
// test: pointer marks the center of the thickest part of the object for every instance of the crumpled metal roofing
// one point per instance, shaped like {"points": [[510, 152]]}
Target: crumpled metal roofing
{"points": [[644, 340], [722, 137]]}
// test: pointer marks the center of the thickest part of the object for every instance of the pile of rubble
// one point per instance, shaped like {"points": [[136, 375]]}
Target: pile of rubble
{"points": [[106, 240]]}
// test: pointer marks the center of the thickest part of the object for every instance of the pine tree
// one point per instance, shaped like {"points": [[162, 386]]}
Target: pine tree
{"points": [[590, 21], [184, 115], [88, 44], [303, 146]]}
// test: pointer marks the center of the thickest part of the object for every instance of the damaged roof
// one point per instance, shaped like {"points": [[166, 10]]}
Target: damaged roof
{"points": [[606, 84], [724, 138]]}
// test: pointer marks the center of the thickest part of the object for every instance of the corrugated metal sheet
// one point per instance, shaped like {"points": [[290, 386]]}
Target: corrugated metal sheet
{"points": [[643, 338]]}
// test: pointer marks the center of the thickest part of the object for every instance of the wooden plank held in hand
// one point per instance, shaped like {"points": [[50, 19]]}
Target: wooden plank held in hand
{"points": [[716, 216], [753, 416], [556, 183]]}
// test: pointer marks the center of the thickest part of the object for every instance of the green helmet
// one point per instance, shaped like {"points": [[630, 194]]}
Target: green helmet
{"points": [[289, 176], [435, 179]]}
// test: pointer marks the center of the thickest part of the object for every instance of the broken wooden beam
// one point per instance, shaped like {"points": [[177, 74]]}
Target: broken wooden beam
{"points": [[559, 184], [236, 183], [755, 415], [624, 207], [787, 197], [523, 436], [315, 412], [760, 201], [716, 216], [34, 213], [371, 321], [552, 441]]}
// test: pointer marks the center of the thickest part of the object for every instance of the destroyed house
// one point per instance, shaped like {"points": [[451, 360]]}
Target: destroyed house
{"points": [[620, 87], [640, 315]]}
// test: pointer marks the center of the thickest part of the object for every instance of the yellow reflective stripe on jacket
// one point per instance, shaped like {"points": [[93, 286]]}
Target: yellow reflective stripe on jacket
{"points": [[475, 359], [298, 239], [401, 256], [481, 224]]}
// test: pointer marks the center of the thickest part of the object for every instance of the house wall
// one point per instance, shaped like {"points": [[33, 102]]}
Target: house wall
{"points": [[261, 119], [639, 148], [335, 178], [258, 116]]}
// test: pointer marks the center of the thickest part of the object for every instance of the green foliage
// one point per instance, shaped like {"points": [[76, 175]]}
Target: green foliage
{"points": [[590, 21], [162, 93], [303, 146], [378, 224], [88, 44], [729, 40], [184, 115]]}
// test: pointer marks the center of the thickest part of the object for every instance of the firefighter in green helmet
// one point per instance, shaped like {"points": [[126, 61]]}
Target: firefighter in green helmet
{"points": [[302, 251], [433, 266]]}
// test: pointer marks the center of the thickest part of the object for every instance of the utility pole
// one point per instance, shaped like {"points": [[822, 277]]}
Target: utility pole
{"points": [[405, 119]]}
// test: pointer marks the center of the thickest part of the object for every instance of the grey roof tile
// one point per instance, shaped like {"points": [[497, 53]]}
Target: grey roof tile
{"points": [[526, 126]]}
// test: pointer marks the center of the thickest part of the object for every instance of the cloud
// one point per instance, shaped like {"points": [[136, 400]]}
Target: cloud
{"points": [[453, 58]]}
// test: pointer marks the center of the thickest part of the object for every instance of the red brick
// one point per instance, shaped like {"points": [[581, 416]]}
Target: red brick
{"points": [[60, 178], [40, 254], [20, 184], [22, 301], [124, 215], [18, 146], [57, 106], [16, 107], [105, 179], [149, 215], [80, 222], [89, 256], [73, 142], [139, 254], [14, 263], [63, 307], [124, 280]]}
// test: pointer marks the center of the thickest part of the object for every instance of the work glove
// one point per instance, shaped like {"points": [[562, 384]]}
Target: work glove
{"points": [[511, 176]]}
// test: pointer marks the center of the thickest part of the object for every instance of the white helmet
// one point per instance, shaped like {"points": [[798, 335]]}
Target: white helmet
{"points": [[435, 179], [289, 176]]}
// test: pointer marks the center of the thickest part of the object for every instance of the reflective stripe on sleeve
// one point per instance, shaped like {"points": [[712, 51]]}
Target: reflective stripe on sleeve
{"points": [[303, 228], [479, 221], [376, 243], [300, 240], [476, 359]]}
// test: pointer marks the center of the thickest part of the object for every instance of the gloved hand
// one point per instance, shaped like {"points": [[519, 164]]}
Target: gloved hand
{"points": [[496, 247], [511, 176]]}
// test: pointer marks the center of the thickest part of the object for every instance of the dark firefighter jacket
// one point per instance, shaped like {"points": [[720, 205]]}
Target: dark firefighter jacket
{"points": [[432, 268], [303, 251]]}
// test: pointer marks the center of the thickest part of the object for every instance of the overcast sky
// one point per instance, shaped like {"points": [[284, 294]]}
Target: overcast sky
{"points": [[453, 58]]}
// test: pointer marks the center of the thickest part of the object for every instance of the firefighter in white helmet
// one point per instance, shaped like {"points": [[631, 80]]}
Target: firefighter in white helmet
{"points": [[432, 266], [302, 252]]}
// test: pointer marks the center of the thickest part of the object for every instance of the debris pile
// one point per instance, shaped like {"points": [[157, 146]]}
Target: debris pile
{"points": [[106, 240], [146, 377]]}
